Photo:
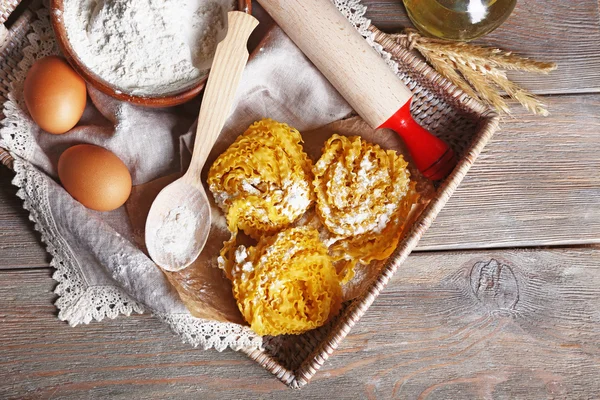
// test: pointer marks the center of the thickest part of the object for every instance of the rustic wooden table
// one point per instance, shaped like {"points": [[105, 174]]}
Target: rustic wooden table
{"points": [[524, 223]]}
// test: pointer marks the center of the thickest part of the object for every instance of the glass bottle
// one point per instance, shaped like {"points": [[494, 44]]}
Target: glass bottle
{"points": [[458, 19]]}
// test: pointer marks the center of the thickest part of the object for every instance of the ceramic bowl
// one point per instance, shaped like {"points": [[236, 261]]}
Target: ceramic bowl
{"points": [[156, 100]]}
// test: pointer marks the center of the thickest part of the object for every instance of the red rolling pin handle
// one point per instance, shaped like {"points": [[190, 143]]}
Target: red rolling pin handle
{"points": [[433, 157]]}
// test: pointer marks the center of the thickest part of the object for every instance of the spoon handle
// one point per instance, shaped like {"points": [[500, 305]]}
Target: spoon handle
{"points": [[223, 80]]}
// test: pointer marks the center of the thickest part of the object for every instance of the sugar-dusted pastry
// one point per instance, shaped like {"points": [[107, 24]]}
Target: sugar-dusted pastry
{"points": [[263, 180], [364, 194], [286, 284]]}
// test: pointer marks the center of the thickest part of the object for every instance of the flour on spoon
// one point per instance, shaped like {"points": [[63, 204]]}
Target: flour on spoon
{"points": [[177, 235]]}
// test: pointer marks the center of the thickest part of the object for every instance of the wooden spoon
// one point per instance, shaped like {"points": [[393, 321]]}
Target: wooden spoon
{"points": [[179, 219]]}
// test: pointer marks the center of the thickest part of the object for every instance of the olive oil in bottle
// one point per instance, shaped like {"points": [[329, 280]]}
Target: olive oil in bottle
{"points": [[458, 19]]}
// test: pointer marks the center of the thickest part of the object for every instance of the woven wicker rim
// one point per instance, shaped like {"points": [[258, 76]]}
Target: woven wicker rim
{"points": [[489, 122], [6, 8]]}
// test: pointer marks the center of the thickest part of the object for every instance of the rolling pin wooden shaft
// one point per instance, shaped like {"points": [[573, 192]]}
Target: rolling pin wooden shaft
{"points": [[361, 76]]}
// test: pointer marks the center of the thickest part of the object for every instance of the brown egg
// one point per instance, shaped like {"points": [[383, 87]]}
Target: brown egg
{"points": [[95, 177], [55, 94]]}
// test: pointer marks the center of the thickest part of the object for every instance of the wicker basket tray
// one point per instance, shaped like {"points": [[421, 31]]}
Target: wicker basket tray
{"points": [[438, 105]]}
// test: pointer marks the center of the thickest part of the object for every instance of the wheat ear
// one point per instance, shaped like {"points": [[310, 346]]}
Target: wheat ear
{"points": [[477, 70]]}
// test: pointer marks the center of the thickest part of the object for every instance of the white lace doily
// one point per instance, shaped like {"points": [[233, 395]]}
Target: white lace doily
{"points": [[78, 301]]}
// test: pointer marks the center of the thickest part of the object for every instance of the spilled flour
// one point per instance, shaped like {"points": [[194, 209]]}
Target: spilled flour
{"points": [[146, 47]]}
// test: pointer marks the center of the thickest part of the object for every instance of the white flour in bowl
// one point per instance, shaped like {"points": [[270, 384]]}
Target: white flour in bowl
{"points": [[146, 47]]}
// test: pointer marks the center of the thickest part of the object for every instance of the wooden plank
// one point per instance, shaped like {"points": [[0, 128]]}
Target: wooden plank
{"points": [[19, 243], [566, 32], [536, 184], [488, 324]]}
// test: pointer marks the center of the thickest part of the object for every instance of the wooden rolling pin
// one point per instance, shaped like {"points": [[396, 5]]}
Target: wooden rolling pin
{"points": [[361, 76]]}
